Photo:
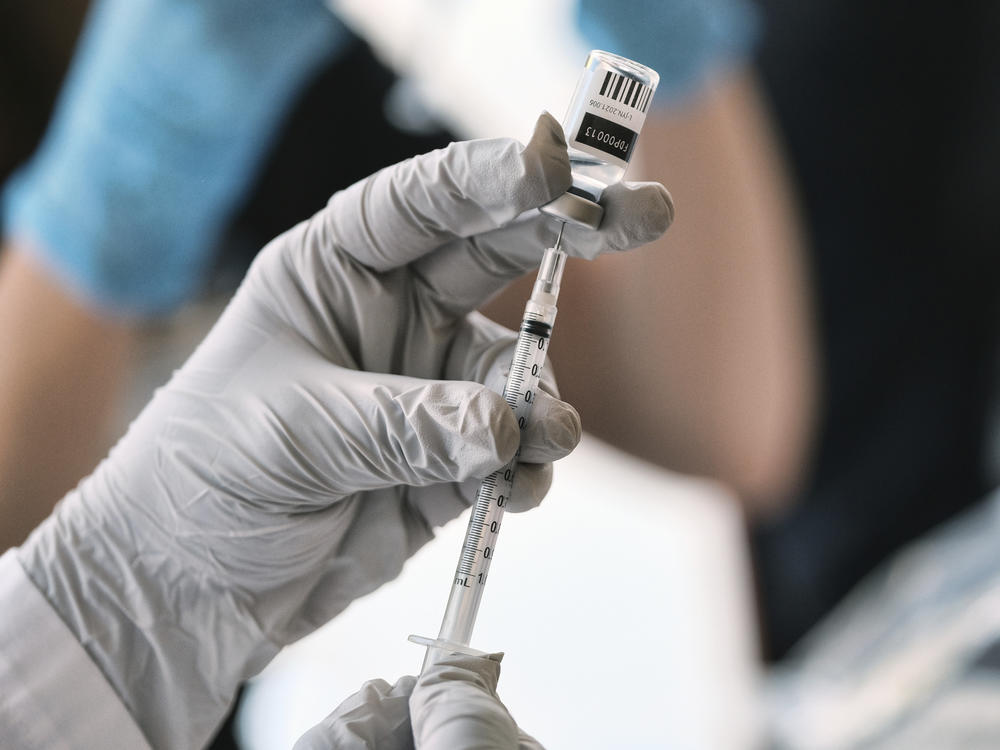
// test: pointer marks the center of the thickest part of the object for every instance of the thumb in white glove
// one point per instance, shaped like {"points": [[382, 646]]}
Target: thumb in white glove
{"points": [[377, 716]]}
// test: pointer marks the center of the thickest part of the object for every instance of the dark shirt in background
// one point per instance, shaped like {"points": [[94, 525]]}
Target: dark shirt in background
{"points": [[890, 114]]}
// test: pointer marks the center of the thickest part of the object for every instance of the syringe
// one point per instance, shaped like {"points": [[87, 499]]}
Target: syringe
{"points": [[491, 500], [602, 126]]}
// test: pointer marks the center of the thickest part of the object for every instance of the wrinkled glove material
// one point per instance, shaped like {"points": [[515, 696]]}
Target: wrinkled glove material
{"points": [[332, 417]]}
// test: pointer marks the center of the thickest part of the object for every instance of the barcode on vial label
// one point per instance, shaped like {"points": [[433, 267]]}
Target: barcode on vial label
{"points": [[625, 90]]}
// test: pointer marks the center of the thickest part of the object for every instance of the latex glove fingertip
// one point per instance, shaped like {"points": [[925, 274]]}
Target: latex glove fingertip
{"points": [[553, 432], [378, 715], [531, 484], [546, 161], [635, 213], [476, 426], [646, 209]]}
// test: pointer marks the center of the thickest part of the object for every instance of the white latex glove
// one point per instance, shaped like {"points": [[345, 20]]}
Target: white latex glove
{"points": [[332, 417], [453, 705]]}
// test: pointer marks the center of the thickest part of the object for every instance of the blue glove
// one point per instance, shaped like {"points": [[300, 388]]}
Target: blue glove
{"points": [[166, 112], [682, 40]]}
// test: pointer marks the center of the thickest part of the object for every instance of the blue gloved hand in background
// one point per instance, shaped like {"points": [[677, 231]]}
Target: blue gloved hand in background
{"points": [[163, 119]]}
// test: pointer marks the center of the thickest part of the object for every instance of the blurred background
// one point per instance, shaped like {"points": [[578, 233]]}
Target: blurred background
{"points": [[790, 400]]}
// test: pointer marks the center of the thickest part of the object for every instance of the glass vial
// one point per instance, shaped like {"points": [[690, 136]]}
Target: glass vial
{"points": [[602, 126]]}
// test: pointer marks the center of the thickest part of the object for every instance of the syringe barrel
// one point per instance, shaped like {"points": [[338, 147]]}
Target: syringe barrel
{"points": [[491, 500], [460, 613], [602, 125]]}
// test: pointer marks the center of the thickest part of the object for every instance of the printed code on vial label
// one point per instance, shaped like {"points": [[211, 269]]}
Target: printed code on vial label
{"points": [[607, 136], [627, 91]]}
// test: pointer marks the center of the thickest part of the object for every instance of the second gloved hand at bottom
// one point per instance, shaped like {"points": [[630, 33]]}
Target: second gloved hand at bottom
{"points": [[452, 705]]}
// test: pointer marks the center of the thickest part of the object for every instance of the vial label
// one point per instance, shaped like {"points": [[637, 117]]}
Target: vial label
{"points": [[606, 136], [611, 116]]}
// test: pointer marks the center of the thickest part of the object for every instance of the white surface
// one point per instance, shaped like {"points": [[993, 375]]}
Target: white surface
{"points": [[623, 604], [487, 68]]}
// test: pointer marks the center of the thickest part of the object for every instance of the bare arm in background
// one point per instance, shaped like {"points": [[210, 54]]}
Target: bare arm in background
{"points": [[696, 352], [62, 368]]}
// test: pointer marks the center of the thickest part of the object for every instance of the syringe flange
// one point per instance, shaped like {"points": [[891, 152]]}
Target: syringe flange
{"points": [[445, 645]]}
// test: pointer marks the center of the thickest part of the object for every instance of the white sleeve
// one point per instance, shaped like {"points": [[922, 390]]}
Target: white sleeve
{"points": [[51, 694]]}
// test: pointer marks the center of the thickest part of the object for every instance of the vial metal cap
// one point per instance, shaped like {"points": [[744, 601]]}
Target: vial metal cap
{"points": [[575, 209]]}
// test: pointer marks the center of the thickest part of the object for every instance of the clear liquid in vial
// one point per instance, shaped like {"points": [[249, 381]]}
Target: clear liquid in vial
{"points": [[591, 175], [602, 123]]}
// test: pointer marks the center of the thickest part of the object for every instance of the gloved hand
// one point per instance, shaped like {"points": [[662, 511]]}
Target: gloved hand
{"points": [[162, 123], [332, 417], [451, 706]]}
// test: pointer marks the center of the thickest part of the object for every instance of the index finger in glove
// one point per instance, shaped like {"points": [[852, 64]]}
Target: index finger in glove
{"points": [[552, 433], [376, 716], [455, 704], [465, 273], [406, 210]]}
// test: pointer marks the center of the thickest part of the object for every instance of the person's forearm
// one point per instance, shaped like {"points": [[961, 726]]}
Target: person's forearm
{"points": [[61, 368], [696, 352]]}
